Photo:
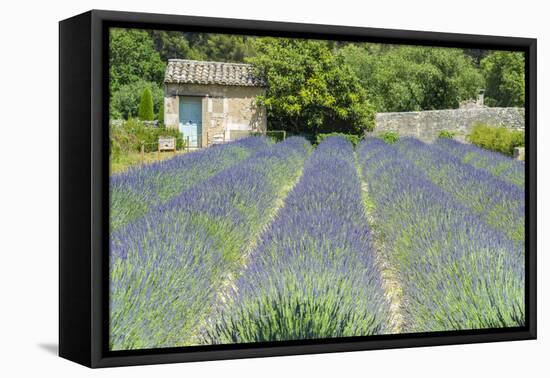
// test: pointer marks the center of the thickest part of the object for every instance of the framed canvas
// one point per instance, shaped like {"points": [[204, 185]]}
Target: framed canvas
{"points": [[234, 188]]}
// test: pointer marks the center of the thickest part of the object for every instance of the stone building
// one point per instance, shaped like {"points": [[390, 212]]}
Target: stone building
{"points": [[213, 102]]}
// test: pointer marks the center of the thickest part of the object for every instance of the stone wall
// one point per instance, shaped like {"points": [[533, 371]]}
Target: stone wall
{"points": [[224, 109], [426, 125]]}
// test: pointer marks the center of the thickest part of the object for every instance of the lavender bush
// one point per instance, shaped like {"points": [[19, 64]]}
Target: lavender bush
{"points": [[313, 274], [507, 168], [455, 270], [132, 193], [499, 203], [169, 267], [253, 242]]}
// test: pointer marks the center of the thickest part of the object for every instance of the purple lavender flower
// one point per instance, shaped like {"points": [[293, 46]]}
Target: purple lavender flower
{"points": [[313, 274], [456, 270], [168, 266]]}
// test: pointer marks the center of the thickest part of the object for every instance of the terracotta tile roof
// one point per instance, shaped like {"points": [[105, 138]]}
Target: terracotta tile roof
{"points": [[183, 71]]}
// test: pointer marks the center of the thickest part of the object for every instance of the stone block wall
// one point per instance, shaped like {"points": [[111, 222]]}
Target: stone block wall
{"points": [[426, 125]]}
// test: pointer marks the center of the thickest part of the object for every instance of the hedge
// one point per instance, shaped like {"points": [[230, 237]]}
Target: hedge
{"points": [[352, 138], [497, 138]]}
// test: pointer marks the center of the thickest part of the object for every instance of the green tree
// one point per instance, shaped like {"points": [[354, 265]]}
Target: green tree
{"points": [[132, 58], [228, 48], [221, 47], [145, 111], [160, 115], [504, 73], [311, 90], [124, 102], [410, 78], [477, 54], [173, 44]]}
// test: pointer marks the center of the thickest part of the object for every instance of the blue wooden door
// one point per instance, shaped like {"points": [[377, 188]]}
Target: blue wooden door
{"points": [[191, 119]]}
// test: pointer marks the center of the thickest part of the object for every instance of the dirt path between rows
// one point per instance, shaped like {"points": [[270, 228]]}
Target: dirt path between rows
{"points": [[228, 288], [390, 283]]}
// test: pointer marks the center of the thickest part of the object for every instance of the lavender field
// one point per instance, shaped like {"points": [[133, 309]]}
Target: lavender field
{"points": [[255, 241]]}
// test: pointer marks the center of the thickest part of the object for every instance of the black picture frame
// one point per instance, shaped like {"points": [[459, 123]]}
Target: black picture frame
{"points": [[83, 181]]}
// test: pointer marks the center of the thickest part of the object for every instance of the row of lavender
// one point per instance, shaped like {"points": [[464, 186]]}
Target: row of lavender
{"points": [[510, 170], [134, 192], [313, 275], [457, 267], [498, 202], [169, 267]]}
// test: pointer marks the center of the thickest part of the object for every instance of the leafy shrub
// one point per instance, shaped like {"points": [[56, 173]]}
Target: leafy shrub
{"points": [[496, 138], [124, 102], [446, 134], [160, 115], [116, 149], [352, 138], [145, 112], [504, 73], [275, 135], [128, 137], [390, 137]]}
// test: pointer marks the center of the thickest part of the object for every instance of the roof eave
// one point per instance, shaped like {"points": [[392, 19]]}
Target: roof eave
{"points": [[222, 84]]}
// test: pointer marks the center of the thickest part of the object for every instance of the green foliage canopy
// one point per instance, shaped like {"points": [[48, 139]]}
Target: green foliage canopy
{"points": [[228, 48], [173, 45], [410, 78], [124, 103], [310, 88], [504, 73], [132, 58], [319, 86]]}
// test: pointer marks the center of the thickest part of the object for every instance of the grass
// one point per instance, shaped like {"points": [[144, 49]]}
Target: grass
{"points": [[133, 159]]}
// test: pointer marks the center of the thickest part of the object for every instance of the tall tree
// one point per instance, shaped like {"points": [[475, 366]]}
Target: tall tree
{"points": [[409, 78], [132, 57], [173, 44], [476, 54], [504, 73], [228, 48], [145, 111], [310, 89], [221, 47]]}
